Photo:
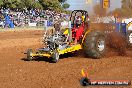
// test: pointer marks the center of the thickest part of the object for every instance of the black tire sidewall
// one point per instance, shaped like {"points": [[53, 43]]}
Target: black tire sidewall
{"points": [[90, 45], [29, 57], [55, 56]]}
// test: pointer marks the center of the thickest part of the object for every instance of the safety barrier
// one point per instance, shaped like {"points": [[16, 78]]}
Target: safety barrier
{"points": [[26, 22]]}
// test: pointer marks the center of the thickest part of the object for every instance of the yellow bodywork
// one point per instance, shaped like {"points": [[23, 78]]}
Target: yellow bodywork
{"points": [[66, 32], [67, 50], [83, 18], [85, 35], [70, 49], [44, 55]]}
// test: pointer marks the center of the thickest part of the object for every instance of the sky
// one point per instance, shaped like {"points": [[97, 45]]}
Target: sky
{"points": [[81, 4]]}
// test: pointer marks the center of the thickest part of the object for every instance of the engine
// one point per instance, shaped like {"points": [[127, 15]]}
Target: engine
{"points": [[55, 40]]}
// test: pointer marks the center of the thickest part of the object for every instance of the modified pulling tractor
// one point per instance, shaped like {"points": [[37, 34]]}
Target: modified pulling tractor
{"points": [[77, 37]]}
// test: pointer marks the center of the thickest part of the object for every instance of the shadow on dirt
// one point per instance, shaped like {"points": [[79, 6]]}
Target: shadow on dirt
{"points": [[38, 59]]}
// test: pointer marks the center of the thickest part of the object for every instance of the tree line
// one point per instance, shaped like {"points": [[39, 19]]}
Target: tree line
{"points": [[57, 5], [124, 11]]}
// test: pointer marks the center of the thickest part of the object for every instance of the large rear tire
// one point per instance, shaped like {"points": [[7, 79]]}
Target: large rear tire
{"points": [[94, 45]]}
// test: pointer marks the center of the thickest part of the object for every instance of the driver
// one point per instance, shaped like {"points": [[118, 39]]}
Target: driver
{"points": [[78, 21], [57, 26], [79, 29]]}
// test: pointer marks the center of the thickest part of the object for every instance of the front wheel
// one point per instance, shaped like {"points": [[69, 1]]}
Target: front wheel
{"points": [[55, 56], [94, 44], [29, 54]]}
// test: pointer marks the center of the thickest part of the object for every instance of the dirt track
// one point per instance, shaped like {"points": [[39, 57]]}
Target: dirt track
{"points": [[15, 72]]}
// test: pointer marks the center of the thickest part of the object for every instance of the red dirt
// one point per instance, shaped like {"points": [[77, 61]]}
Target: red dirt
{"points": [[15, 72], [117, 42]]}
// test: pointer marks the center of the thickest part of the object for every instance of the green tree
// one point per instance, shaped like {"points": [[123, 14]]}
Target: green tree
{"points": [[16, 4], [11, 4], [28, 3], [98, 10], [62, 1], [37, 5], [127, 4], [51, 4], [1, 3], [118, 12], [127, 7], [65, 5], [6, 3]]}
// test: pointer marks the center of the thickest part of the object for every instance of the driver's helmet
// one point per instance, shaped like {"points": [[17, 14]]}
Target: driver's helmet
{"points": [[79, 20], [57, 26]]}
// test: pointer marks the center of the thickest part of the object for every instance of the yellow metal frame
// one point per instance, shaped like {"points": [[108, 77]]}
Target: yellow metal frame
{"points": [[89, 30], [70, 49], [44, 55], [66, 31], [67, 50]]}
